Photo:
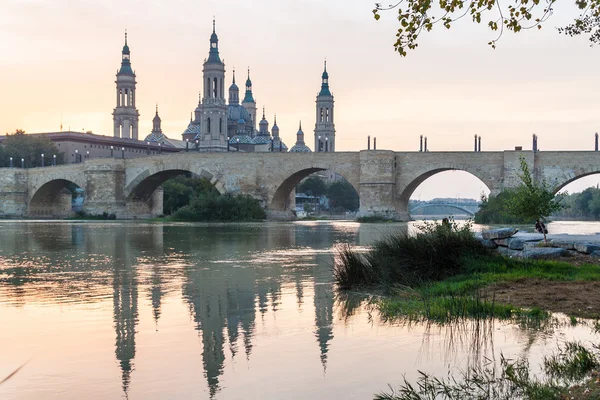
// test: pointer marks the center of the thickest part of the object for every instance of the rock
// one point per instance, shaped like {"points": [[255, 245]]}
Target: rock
{"points": [[501, 233], [515, 244], [501, 242], [563, 244], [587, 248], [539, 253], [596, 254], [488, 244], [531, 245], [509, 253]]}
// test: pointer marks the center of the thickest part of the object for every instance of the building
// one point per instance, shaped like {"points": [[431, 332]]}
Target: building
{"points": [[125, 115], [79, 146], [324, 127]]}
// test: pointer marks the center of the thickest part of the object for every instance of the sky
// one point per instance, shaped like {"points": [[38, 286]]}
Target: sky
{"points": [[59, 59]]}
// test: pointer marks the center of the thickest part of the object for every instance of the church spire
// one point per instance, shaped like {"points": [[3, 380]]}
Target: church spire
{"points": [[213, 55]]}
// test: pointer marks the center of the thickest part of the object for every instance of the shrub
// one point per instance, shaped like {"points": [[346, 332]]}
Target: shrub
{"points": [[216, 207], [436, 252]]}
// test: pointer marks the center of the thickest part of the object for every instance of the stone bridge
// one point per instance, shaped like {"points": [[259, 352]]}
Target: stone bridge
{"points": [[384, 180]]}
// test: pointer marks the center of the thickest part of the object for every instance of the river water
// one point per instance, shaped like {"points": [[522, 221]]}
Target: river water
{"points": [[109, 310]]}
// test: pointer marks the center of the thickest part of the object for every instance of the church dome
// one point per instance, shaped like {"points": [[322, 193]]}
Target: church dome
{"points": [[237, 111]]}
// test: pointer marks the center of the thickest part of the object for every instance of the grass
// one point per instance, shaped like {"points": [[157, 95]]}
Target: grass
{"points": [[373, 219], [565, 374]]}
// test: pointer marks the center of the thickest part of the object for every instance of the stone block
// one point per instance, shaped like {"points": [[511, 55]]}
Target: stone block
{"points": [[501, 233], [489, 244], [587, 248], [505, 251], [544, 253], [515, 244], [563, 244]]}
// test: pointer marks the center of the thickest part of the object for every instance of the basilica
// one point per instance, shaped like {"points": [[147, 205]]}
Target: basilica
{"points": [[220, 124]]}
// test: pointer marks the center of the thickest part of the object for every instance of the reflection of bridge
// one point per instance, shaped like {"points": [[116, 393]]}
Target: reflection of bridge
{"points": [[466, 208], [384, 180]]}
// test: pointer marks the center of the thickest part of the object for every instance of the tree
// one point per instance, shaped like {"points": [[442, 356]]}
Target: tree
{"points": [[179, 191], [531, 200], [415, 16], [29, 148], [341, 194], [313, 186]]}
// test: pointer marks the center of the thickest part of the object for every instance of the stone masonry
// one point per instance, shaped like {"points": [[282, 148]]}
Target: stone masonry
{"points": [[384, 180]]}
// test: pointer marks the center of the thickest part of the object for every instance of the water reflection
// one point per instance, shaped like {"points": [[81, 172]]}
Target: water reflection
{"points": [[235, 282]]}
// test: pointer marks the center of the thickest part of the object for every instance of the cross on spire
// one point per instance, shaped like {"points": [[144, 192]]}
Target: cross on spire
{"points": [[213, 24]]}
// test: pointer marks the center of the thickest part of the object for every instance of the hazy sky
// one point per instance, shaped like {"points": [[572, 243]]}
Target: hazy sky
{"points": [[59, 57]]}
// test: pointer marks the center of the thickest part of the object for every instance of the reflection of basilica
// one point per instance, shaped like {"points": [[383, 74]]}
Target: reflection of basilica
{"points": [[125, 308], [224, 298]]}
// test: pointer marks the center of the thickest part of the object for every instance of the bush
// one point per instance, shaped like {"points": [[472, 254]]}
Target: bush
{"points": [[216, 207], [436, 252]]}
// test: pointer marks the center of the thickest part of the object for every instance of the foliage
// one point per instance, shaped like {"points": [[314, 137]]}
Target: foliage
{"points": [[216, 207], [532, 201], [494, 210], [581, 205], [434, 253], [30, 148], [313, 186], [510, 380], [179, 191], [341, 194], [415, 16], [87, 216], [373, 219]]}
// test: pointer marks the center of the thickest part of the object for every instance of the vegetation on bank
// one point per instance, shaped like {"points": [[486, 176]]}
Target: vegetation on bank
{"points": [[82, 215], [584, 205], [341, 195], [188, 198], [373, 219], [29, 148], [570, 373]]}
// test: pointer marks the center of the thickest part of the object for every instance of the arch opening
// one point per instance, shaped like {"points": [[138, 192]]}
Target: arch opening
{"points": [[316, 191], [581, 198], [144, 187], [59, 198], [443, 192]]}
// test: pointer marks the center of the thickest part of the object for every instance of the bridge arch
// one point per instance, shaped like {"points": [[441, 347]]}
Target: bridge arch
{"points": [[53, 199], [279, 201], [559, 185], [146, 182], [442, 205], [419, 177]]}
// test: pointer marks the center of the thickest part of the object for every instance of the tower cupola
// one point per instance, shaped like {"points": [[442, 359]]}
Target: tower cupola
{"points": [[263, 126], [125, 59], [248, 98], [234, 92], [325, 82], [213, 55]]}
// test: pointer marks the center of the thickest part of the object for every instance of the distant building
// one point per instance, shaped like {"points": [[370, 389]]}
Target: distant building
{"points": [[79, 146]]}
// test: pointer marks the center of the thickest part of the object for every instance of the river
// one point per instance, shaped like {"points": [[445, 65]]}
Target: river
{"points": [[138, 310]]}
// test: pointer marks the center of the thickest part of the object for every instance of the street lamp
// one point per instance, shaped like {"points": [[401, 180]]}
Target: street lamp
{"points": [[238, 143], [42, 159], [187, 144], [87, 154], [319, 147], [22, 163], [112, 150], [76, 156], [197, 145], [326, 145], [123, 152], [159, 148], [11, 162], [54, 160]]}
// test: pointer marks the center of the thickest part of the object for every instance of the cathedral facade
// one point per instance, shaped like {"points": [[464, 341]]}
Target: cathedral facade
{"points": [[220, 121]]}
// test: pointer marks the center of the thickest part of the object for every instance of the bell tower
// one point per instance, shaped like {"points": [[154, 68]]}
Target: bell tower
{"points": [[325, 128], [214, 107], [125, 115]]}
